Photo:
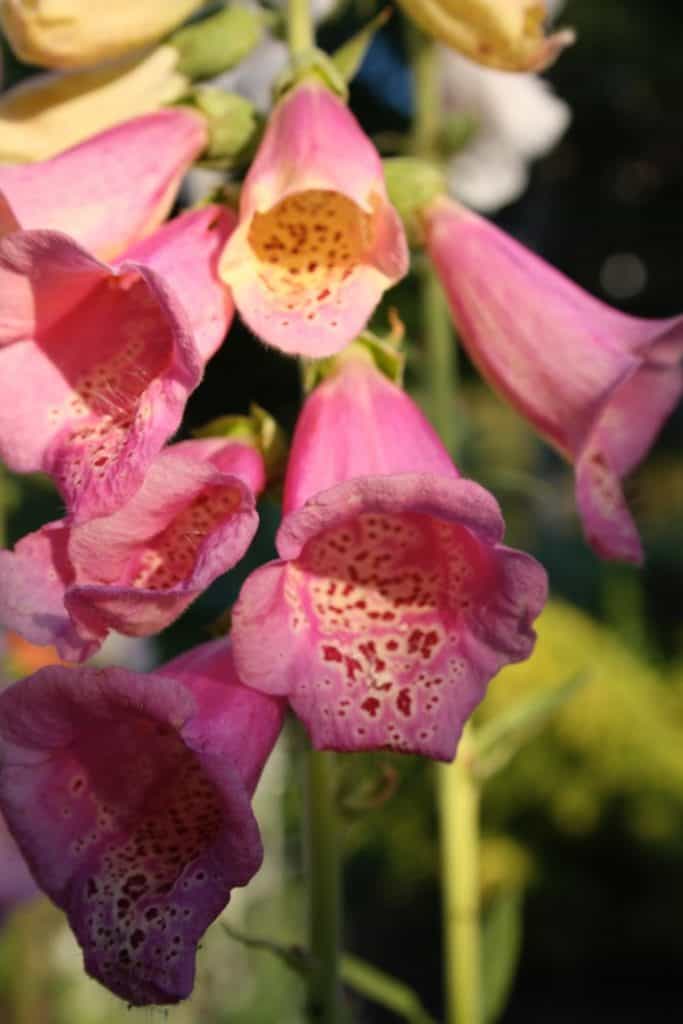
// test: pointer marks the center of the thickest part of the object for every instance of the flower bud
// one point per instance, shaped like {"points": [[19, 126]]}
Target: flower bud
{"points": [[506, 34], [47, 114], [80, 33]]}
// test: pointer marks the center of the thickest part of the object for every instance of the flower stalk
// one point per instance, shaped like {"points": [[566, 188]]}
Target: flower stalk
{"points": [[324, 879], [300, 31], [457, 790]]}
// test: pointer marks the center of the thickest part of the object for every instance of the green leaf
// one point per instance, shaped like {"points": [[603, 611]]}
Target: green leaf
{"points": [[499, 740], [349, 57], [382, 988], [501, 944]]}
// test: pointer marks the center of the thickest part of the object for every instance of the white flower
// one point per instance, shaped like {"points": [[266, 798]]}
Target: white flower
{"points": [[518, 119]]}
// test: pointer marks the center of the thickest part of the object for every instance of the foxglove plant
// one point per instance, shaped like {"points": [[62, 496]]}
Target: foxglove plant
{"points": [[393, 602]]}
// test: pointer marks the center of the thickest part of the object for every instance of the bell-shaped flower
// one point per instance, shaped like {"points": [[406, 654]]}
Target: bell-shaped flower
{"points": [[505, 34], [80, 33], [317, 241], [594, 382], [46, 114], [393, 602], [97, 361], [129, 795], [112, 189], [136, 570]]}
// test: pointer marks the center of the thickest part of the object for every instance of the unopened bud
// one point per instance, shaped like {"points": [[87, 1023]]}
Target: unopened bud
{"points": [[412, 183]]}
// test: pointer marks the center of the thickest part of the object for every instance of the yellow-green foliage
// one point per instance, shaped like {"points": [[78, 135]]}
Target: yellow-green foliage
{"points": [[618, 738]]}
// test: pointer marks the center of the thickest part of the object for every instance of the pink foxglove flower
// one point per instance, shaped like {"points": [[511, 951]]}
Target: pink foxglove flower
{"points": [[109, 191], [97, 361], [394, 602], [318, 241], [129, 795], [136, 570], [594, 382]]}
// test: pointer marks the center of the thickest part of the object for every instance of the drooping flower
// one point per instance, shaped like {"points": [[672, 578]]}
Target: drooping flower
{"points": [[129, 797], [81, 33], [136, 570], [46, 114], [394, 602], [506, 34], [517, 119], [98, 361], [317, 241], [109, 191], [594, 382]]}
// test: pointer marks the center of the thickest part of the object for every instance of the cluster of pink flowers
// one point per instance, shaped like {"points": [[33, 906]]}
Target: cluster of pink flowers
{"points": [[394, 600]]}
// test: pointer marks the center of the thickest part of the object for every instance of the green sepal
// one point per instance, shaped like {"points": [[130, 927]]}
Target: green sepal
{"points": [[455, 131], [412, 183], [234, 125], [259, 429], [349, 57], [499, 740], [384, 353], [219, 42], [316, 64]]}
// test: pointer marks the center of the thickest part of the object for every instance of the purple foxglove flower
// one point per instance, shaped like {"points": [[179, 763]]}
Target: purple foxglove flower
{"points": [[129, 796], [393, 602], [97, 361], [136, 570], [594, 382], [318, 241], [109, 191], [16, 883]]}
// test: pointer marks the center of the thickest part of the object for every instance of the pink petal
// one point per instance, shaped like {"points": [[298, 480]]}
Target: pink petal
{"points": [[622, 436], [136, 570], [317, 242], [357, 423], [185, 252], [112, 189], [567, 362], [110, 359], [395, 606], [129, 795]]}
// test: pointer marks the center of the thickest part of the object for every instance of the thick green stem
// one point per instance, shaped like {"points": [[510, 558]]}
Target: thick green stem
{"points": [[459, 815], [324, 878], [300, 31]]}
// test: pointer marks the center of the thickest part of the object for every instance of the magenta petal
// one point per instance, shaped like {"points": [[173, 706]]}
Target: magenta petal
{"points": [[110, 359], [129, 796], [395, 606]]}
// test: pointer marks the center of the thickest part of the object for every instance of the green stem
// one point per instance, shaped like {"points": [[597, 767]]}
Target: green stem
{"points": [[300, 31], [324, 875], [459, 815], [441, 358], [458, 793]]}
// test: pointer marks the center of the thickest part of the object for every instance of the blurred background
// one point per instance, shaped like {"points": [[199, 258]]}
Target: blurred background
{"points": [[582, 861]]}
